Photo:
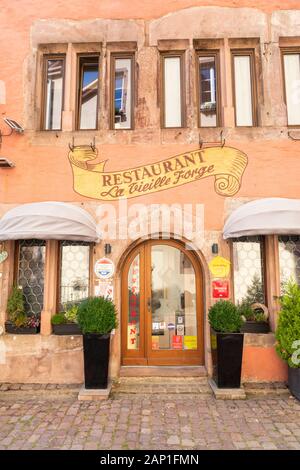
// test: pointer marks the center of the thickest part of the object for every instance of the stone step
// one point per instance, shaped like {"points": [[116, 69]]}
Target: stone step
{"points": [[163, 371], [161, 386]]}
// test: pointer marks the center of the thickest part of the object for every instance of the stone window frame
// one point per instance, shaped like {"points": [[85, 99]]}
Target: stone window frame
{"points": [[70, 51]]}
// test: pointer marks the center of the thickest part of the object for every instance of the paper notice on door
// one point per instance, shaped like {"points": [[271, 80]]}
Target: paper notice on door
{"points": [[190, 342], [155, 342], [177, 342]]}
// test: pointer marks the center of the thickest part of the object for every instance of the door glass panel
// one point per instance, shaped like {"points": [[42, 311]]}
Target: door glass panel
{"points": [[173, 300], [133, 333]]}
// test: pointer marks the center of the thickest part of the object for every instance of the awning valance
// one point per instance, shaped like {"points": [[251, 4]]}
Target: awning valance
{"points": [[264, 217], [46, 221]]}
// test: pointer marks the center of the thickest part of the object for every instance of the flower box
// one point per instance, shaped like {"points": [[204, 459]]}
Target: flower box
{"points": [[22, 330], [66, 329], [255, 327]]}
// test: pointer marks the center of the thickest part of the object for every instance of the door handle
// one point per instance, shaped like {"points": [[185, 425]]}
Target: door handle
{"points": [[149, 304]]}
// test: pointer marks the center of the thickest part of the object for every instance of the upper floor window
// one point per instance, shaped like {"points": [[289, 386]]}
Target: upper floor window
{"points": [[172, 90], [291, 64], [248, 265], [122, 73], [54, 67], [88, 92], [244, 87], [208, 91]]}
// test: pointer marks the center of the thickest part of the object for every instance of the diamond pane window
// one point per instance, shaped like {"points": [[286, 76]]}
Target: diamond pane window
{"points": [[248, 269], [289, 258], [31, 274], [74, 272]]}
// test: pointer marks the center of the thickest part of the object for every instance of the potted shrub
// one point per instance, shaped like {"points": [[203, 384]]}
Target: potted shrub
{"points": [[18, 322], [96, 317], [226, 343], [65, 323], [255, 317], [288, 335]]}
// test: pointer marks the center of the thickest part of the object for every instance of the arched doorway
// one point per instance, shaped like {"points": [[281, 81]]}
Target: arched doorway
{"points": [[162, 306]]}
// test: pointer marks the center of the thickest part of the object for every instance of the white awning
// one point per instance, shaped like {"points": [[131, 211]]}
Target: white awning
{"points": [[264, 217], [48, 220]]}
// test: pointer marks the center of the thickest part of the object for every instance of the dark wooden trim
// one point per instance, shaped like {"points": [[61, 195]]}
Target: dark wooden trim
{"points": [[181, 56], [79, 77], [45, 59], [216, 54], [113, 57], [251, 54]]}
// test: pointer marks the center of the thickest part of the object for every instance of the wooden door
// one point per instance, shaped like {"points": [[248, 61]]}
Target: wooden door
{"points": [[162, 306]]}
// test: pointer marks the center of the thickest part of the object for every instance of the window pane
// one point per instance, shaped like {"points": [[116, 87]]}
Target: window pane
{"points": [[243, 92], [89, 73], [248, 270], [173, 299], [292, 87], [54, 93], [31, 274], [74, 272], [208, 101], [172, 92], [122, 93], [289, 259], [133, 334]]}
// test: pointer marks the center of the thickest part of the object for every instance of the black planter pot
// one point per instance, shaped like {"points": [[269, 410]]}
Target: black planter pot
{"points": [[96, 360], [294, 381], [227, 354], [66, 329], [255, 327], [11, 328]]}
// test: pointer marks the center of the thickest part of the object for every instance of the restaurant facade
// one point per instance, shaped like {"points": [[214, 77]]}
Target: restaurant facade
{"points": [[149, 153]]}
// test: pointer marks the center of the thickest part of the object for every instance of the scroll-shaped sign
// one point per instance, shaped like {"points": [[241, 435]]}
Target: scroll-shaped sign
{"points": [[225, 164]]}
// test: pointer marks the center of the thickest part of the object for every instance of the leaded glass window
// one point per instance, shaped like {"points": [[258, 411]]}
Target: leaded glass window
{"points": [[248, 258], [289, 258], [31, 269], [74, 272]]}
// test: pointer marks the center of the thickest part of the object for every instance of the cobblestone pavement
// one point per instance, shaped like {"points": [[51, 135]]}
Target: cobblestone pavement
{"points": [[131, 420]]}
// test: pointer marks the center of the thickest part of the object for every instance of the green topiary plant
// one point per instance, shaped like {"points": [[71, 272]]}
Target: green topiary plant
{"points": [[224, 317], [97, 315], [15, 306], [58, 319], [288, 328]]}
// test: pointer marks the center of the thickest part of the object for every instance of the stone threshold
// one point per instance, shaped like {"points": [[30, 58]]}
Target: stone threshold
{"points": [[163, 371]]}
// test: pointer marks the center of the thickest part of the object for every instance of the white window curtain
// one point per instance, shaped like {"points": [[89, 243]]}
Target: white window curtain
{"points": [[292, 87], [172, 92], [243, 91]]}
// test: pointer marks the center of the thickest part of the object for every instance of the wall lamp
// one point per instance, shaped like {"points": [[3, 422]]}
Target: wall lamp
{"points": [[107, 249], [215, 248], [5, 163]]}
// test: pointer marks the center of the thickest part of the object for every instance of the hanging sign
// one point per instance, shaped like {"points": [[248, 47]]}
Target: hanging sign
{"points": [[219, 267], [3, 256], [220, 289], [225, 164], [104, 268]]}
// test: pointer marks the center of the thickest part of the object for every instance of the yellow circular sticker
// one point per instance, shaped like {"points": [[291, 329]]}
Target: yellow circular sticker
{"points": [[219, 267]]}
